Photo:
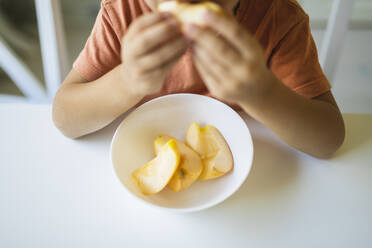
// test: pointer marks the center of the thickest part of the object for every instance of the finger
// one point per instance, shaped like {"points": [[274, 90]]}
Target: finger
{"points": [[144, 22], [231, 30], [163, 55], [159, 72], [162, 69], [221, 50], [214, 67], [171, 63], [211, 81], [226, 72], [154, 37]]}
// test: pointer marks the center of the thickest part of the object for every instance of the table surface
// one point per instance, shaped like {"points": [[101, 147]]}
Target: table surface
{"points": [[57, 192]]}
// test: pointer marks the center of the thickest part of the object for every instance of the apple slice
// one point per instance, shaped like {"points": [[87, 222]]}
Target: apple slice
{"points": [[155, 175], [190, 166], [213, 149], [189, 13]]}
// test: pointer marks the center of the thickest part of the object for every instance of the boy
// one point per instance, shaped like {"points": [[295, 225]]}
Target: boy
{"points": [[262, 59]]}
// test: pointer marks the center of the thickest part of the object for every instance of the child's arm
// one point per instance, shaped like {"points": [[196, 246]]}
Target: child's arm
{"points": [[152, 45], [314, 126], [239, 75]]}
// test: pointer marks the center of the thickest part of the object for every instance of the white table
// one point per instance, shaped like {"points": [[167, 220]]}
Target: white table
{"points": [[56, 192]]}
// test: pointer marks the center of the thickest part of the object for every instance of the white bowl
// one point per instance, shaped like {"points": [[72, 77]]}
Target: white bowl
{"points": [[132, 146]]}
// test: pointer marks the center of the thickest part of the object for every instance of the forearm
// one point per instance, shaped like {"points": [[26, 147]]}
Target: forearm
{"points": [[312, 126], [82, 108]]}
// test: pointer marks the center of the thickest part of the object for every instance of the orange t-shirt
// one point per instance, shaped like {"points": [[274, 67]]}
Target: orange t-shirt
{"points": [[281, 26]]}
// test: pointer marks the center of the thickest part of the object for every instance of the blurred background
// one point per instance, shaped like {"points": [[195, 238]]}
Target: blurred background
{"points": [[352, 77]]}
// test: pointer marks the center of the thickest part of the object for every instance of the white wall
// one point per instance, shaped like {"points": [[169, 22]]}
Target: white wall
{"points": [[319, 12]]}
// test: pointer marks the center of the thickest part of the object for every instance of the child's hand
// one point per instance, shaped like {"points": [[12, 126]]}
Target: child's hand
{"points": [[152, 46], [230, 61]]}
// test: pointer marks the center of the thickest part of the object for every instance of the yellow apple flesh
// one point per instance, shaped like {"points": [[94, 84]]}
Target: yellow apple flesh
{"points": [[213, 149], [188, 13], [156, 174], [190, 166]]}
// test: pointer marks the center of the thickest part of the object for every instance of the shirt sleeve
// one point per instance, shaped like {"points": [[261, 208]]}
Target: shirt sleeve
{"points": [[102, 50], [295, 62]]}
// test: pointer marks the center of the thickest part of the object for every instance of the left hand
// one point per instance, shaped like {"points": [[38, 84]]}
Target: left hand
{"points": [[228, 58]]}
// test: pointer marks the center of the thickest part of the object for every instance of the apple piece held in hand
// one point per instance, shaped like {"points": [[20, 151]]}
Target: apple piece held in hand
{"points": [[156, 174], [213, 149], [190, 166], [188, 13]]}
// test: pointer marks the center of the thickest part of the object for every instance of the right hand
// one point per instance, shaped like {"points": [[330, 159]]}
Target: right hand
{"points": [[152, 46]]}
